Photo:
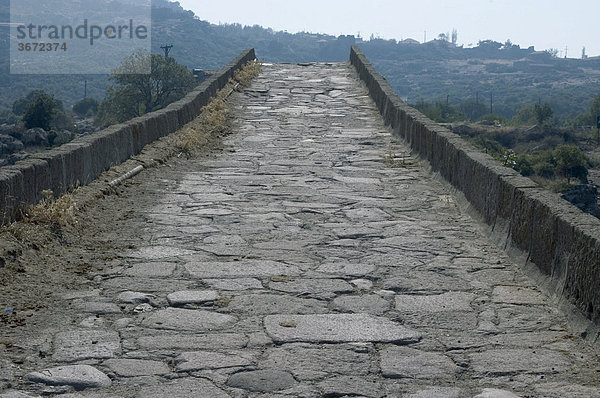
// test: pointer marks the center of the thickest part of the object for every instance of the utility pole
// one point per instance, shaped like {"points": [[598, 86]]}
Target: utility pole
{"points": [[425, 37], [492, 102], [167, 49], [85, 89]]}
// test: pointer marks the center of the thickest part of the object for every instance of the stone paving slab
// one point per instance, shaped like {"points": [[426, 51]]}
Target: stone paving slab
{"points": [[183, 388], [404, 362], [193, 361], [452, 301], [188, 320], [262, 380], [185, 342], [79, 377], [337, 328], [250, 268], [136, 367], [514, 361], [313, 257], [79, 345]]}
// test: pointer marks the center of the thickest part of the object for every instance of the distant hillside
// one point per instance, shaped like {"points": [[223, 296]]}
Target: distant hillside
{"points": [[433, 71], [513, 77], [198, 43]]}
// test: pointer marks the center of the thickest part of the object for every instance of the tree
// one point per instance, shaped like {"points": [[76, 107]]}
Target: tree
{"points": [[526, 115], [473, 110], [85, 107], [440, 112], [523, 166], [571, 163], [454, 36], [20, 105], [489, 44], [589, 117], [136, 93], [544, 169], [543, 112], [40, 111], [594, 109]]}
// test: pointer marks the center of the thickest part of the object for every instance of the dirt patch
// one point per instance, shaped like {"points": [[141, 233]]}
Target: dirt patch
{"points": [[60, 245]]}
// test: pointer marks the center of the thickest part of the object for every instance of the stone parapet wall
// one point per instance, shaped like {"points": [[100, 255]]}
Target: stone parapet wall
{"points": [[553, 236], [82, 160]]}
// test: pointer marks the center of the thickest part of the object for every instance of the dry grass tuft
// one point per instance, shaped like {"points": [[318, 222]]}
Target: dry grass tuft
{"points": [[245, 75], [61, 211], [214, 118], [40, 225], [397, 160]]}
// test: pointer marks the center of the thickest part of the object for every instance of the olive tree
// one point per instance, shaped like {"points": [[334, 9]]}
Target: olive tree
{"points": [[571, 163], [40, 111], [135, 93]]}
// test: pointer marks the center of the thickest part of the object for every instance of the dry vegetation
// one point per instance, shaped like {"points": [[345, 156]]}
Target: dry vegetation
{"points": [[214, 117], [59, 211]]}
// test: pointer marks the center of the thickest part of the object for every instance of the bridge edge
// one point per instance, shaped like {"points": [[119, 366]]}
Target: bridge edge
{"points": [[82, 160], [557, 242]]}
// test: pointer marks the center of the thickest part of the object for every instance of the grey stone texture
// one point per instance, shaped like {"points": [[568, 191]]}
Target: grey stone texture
{"points": [[79, 345], [136, 367], [17, 394], [191, 297], [314, 256], [188, 320], [129, 297], [337, 328], [404, 362], [436, 392], [262, 380], [79, 377], [193, 361], [495, 393], [183, 388], [247, 268], [516, 361]]}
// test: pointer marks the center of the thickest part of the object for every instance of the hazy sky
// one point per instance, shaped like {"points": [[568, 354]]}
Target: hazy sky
{"points": [[544, 24]]}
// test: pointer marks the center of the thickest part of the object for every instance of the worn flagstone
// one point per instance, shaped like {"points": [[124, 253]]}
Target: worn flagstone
{"points": [[337, 328], [79, 377]]}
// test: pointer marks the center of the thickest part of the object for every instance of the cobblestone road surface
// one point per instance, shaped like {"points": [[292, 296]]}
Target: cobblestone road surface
{"points": [[313, 258]]}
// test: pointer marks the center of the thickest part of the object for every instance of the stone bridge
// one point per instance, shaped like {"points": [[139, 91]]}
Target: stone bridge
{"points": [[316, 256]]}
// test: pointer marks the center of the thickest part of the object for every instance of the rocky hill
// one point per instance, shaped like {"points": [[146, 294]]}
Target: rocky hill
{"points": [[437, 70]]}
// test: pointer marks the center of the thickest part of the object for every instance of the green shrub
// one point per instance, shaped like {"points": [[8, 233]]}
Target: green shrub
{"points": [[544, 169], [571, 162], [489, 146], [40, 112], [86, 107], [523, 166]]}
